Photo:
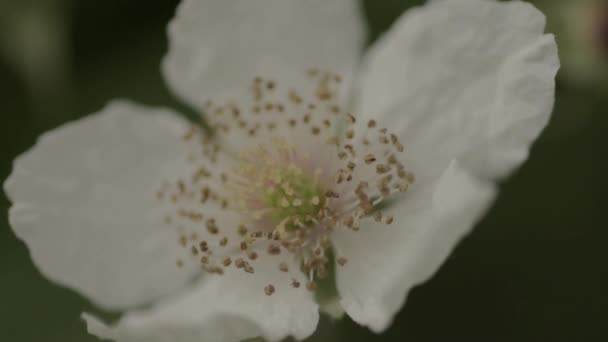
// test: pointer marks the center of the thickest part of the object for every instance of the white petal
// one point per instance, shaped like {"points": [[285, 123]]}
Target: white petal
{"points": [[230, 307], [84, 203], [385, 262], [471, 80], [218, 47]]}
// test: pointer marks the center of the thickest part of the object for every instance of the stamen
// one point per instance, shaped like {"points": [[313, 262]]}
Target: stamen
{"points": [[293, 183]]}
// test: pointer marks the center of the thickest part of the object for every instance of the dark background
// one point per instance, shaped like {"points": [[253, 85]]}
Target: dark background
{"points": [[535, 269]]}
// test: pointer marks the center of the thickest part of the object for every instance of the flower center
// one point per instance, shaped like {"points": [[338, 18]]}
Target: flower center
{"points": [[274, 183], [305, 170], [296, 197]]}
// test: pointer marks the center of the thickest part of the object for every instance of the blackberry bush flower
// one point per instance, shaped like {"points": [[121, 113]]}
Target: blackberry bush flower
{"points": [[328, 179]]}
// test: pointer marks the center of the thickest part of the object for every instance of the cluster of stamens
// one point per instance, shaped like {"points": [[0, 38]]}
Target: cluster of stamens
{"points": [[307, 169]]}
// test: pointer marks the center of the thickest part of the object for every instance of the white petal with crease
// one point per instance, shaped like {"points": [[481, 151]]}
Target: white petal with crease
{"points": [[230, 307], [468, 79], [84, 203], [218, 47], [385, 262]]}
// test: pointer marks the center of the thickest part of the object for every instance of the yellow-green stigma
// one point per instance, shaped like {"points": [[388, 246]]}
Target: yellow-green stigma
{"points": [[299, 196], [277, 184]]}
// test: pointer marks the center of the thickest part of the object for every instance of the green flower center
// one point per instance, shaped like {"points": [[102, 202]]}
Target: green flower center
{"points": [[299, 197]]}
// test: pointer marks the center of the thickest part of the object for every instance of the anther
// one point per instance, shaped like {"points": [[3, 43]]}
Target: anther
{"points": [[269, 290], [339, 176], [396, 143], [311, 286], [377, 216], [351, 118], [350, 149], [274, 249], [212, 269], [389, 219], [381, 168], [330, 194], [227, 261], [350, 134], [294, 97], [211, 227]]}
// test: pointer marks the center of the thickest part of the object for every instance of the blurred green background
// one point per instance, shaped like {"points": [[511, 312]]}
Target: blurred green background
{"points": [[534, 270]]}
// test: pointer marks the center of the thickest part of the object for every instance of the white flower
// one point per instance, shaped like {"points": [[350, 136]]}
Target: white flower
{"points": [[127, 205]]}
